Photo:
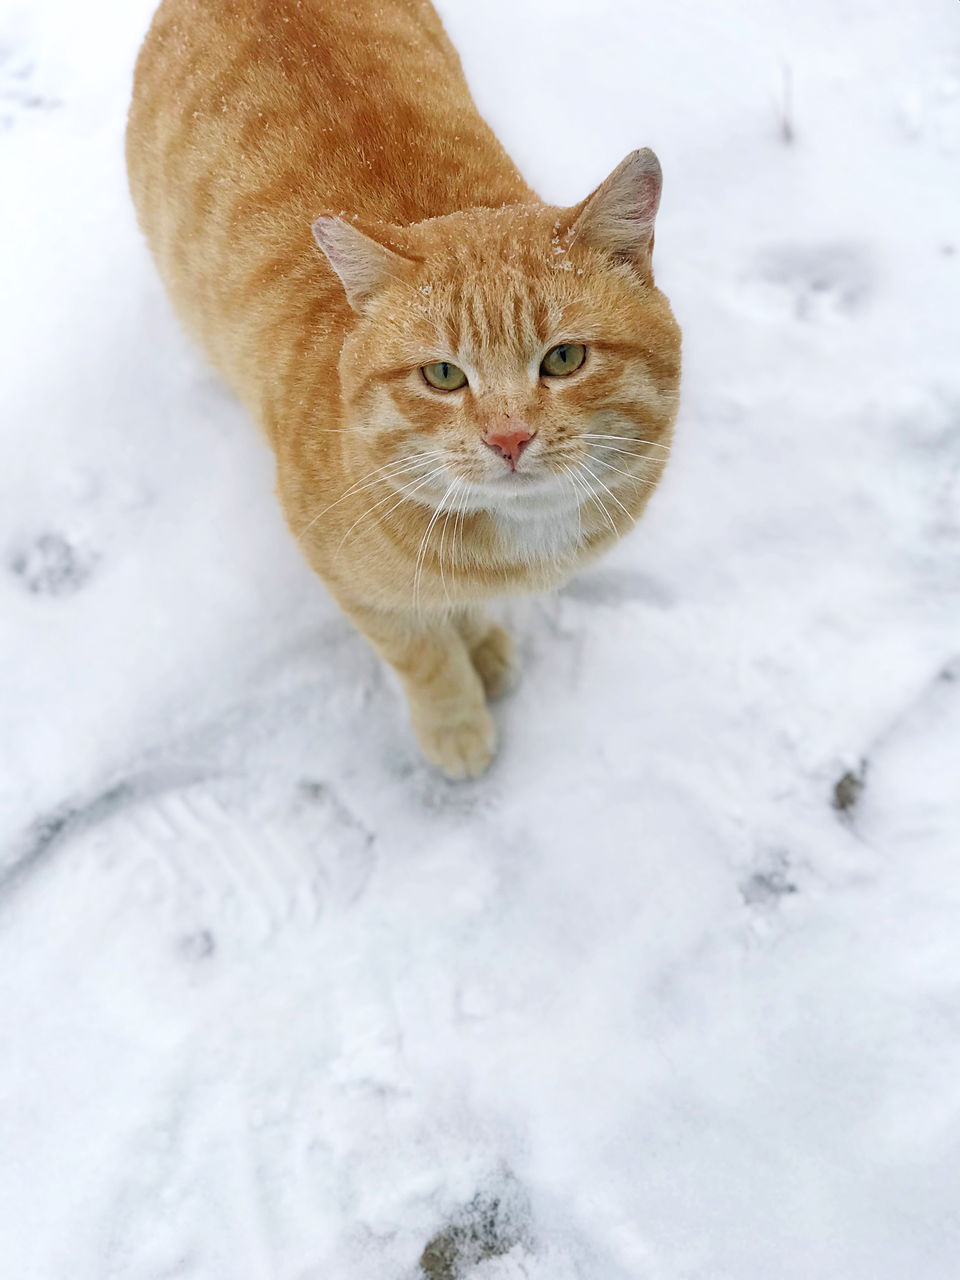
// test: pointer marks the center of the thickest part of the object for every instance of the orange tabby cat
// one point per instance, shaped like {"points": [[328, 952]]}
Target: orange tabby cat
{"points": [[469, 392]]}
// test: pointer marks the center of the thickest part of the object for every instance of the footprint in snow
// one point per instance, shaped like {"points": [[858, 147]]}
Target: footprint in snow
{"points": [[770, 882], [18, 95], [813, 283], [51, 565], [210, 871]]}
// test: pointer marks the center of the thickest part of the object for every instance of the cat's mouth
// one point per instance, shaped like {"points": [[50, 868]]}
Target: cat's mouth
{"points": [[504, 490], [520, 484], [518, 481], [514, 492]]}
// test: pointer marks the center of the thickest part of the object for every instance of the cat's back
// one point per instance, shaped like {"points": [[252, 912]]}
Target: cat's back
{"points": [[348, 93], [250, 117]]}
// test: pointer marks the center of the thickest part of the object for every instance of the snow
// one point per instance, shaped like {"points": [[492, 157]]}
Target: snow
{"points": [[276, 1001]]}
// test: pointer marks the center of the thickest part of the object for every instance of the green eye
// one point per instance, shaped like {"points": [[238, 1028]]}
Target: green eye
{"points": [[567, 358], [444, 376]]}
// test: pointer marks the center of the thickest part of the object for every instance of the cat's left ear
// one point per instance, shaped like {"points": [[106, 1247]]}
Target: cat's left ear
{"points": [[363, 264], [619, 216]]}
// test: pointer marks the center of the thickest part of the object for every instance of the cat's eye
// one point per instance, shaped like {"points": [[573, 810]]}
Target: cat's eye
{"points": [[444, 376], [567, 358]]}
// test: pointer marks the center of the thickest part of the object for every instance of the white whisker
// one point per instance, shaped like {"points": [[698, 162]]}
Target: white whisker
{"points": [[443, 535], [576, 497], [421, 552], [461, 516], [593, 435], [406, 497], [595, 497], [610, 491], [629, 474], [371, 479], [579, 487], [629, 453], [359, 486]]}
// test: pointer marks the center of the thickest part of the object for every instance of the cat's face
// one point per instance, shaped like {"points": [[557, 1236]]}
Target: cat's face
{"points": [[512, 359]]}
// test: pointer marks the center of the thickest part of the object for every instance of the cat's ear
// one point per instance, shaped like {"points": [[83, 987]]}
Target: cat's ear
{"points": [[363, 264], [619, 216]]}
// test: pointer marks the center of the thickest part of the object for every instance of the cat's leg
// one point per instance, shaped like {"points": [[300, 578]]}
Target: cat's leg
{"points": [[490, 649], [445, 694]]}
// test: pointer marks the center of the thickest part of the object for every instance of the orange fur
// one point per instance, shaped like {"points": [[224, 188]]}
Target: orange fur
{"points": [[253, 120]]}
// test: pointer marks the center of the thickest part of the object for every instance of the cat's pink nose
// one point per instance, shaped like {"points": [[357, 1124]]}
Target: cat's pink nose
{"points": [[509, 444]]}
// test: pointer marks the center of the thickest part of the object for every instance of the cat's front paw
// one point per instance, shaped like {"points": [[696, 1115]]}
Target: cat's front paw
{"points": [[493, 661], [462, 748]]}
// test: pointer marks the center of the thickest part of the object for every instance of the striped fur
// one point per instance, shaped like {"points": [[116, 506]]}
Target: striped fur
{"points": [[253, 120]]}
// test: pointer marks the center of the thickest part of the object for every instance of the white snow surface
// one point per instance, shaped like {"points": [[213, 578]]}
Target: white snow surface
{"points": [[278, 1002]]}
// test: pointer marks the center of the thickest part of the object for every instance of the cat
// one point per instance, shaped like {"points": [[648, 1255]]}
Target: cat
{"points": [[469, 392]]}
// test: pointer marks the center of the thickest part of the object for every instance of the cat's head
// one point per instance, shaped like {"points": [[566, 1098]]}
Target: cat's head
{"points": [[508, 358]]}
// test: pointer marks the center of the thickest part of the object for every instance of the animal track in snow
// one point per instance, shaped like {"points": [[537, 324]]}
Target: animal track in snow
{"points": [[930, 112], [813, 283], [17, 94], [211, 870], [52, 565], [214, 871], [770, 882]]}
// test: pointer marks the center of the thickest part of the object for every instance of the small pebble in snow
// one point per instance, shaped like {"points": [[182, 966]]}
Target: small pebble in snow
{"points": [[847, 792], [491, 1226]]}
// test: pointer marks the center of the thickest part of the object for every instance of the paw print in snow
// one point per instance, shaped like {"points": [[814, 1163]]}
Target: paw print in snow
{"points": [[929, 112], [814, 282], [17, 93], [51, 565]]}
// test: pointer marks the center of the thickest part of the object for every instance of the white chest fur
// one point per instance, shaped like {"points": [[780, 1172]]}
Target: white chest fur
{"points": [[535, 530]]}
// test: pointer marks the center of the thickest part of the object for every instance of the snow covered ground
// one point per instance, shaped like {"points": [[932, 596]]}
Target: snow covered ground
{"points": [[645, 1003]]}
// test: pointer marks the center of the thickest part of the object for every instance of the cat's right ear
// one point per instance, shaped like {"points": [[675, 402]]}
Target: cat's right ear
{"points": [[619, 216], [362, 263]]}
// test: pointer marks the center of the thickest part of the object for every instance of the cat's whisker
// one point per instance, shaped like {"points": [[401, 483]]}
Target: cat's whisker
{"points": [[358, 487], [607, 490], [578, 485], [641, 480], [421, 552], [595, 497], [631, 453], [387, 472], [461, 517], [566, 474], [640, 454], [464, 524], [640, 458], [583, 495], [443, 534], [398, 466], [407, 497], [603, 435]]}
